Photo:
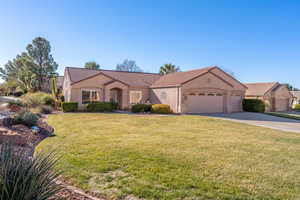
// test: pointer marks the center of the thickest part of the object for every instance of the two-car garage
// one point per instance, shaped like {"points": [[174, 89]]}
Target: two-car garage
{"points": [[213, 103], [205, 103]]}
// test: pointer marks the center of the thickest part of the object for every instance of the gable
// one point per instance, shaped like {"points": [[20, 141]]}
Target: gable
{"points": [[282, 92], [95, 81], [208, 80], [228, 78]]}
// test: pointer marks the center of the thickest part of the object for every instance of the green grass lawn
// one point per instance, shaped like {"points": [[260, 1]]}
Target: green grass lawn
{"points": [[294, 115], [175, 157]]}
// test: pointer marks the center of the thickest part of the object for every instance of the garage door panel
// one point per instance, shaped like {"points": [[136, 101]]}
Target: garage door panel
{"points": [[204, 104]]}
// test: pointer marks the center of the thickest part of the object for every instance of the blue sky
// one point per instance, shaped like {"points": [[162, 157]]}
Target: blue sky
{"points": [[258, 40]]}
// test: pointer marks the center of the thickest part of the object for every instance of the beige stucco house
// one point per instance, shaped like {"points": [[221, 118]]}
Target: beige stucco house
{"points": [[276, 96], [206, 90]]}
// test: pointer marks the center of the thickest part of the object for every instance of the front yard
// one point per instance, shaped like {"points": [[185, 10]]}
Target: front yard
{"points": [[175, 157]]}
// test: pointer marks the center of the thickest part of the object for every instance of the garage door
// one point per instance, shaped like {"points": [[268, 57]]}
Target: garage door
{"points": [[236, 103], [205, 103], [282, 104]]}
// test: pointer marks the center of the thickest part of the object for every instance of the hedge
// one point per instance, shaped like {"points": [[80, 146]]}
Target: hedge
{"points": [[254, 105], [161, 109], [297, 107], [69, 106], [101, 107], [138, 108]]}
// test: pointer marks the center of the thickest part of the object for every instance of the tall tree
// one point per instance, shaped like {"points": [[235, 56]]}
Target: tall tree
{"points": [[128, 65], [168, 68], [91, 65], [45, 66], [22, 71]]}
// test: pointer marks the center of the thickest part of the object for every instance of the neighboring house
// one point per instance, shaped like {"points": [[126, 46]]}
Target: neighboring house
{"points": [[207, 90], [276, 96], [296, 97]]}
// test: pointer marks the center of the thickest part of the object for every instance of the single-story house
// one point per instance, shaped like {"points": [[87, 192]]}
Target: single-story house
{"points": [[276, 96], [206, 90], [296, 97]]}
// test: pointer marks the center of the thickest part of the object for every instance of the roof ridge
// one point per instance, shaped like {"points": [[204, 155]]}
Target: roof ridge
{"points": [[263, 82], [113, 70]]}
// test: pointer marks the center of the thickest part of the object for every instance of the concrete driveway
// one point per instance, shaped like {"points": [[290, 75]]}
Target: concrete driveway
{"points": [[263, 120]]}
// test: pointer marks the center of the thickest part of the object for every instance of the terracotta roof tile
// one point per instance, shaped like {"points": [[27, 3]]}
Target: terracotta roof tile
{"points": [[259, 89]]}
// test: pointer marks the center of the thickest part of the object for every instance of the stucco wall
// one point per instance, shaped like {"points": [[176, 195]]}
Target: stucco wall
{"points": [[170, 96]]}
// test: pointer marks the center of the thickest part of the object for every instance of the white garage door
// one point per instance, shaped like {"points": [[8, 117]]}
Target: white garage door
{"points": [[236, 103], [204, 103]]}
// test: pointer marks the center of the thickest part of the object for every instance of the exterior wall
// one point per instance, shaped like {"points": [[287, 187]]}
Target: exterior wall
{"points": [[282, 96], [170, 96], [145, 94], [210, 83]]}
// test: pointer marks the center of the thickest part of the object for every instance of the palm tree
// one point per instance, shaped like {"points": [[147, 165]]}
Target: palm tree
{"points": [[168, 68]]}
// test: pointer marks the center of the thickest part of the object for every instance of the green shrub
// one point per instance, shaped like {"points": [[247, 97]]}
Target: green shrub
{"points": [[137, 108], [27, 118], [114, 105], [69, 106], [38, 99], [161, 109], [297, 107], [45, 109], [15, 103], [254, 105], [22, 178], [101, 107]]}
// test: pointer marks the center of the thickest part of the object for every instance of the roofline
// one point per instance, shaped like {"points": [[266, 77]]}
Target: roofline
{"points": [[276, 84], [100, 73], [231, 76], [115, 71], [168, 86]]}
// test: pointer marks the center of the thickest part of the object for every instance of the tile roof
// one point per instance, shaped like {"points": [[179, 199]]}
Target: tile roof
{"points": [[134, 79], [178, 78], [259, 89]]}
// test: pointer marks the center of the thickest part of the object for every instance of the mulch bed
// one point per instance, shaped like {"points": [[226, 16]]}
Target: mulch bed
{"points": [[24, 139]]}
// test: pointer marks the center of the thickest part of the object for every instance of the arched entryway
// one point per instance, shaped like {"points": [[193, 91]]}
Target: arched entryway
{"points": [[116, 96]]}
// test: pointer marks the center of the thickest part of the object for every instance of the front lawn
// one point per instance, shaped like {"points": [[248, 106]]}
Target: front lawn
{"points": [[175, 157]]}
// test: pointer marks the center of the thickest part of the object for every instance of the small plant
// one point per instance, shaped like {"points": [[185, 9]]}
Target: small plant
{"points": [[138, 108], [161, 109], [45, 109], [69, 106], [22, 178], [26, 118], [254, 105], [297, 107], [17, 103]]}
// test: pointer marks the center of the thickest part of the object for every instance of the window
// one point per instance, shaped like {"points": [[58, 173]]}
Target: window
{"points": [[89, 96], [135, 97], [210, 94]]}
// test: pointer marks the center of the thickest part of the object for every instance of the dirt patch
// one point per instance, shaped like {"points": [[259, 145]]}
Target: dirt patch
{"points": [[108, 183]]}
